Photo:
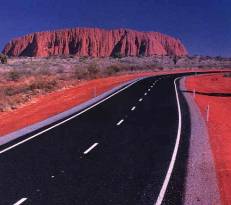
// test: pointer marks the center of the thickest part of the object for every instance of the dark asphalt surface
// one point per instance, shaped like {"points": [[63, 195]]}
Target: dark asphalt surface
{"points": [[127, 167]]}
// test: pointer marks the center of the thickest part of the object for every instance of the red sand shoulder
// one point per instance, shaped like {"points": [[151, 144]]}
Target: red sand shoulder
{"points": [[219, 125]]}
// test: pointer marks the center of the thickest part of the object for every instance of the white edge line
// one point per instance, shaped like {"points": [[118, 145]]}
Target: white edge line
{"points": [[20, 201], [173, 159], [91, 148], [120, 122], [133, 108], [68, 119]]}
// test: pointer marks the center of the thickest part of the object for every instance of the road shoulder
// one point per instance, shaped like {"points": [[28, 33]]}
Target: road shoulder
{"points": [[201, 183]]}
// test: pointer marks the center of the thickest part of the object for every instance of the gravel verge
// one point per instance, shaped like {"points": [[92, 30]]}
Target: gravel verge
{"points": [[201, 187]]}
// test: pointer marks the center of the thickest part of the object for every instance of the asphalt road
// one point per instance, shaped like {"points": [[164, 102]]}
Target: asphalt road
{"points": [[115, 153]]}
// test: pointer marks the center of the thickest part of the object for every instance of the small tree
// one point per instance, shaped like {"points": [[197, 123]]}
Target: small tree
{"points": [[117, 55], [175, 59], [112, 69], [13, 75], [92, 70], [3, 58]]}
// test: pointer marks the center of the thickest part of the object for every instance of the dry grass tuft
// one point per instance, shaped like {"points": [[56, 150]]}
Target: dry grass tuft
{"points": [[23, 78]]}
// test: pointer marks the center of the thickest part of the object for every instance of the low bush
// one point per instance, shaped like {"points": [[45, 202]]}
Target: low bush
{"points": [[14, 75], [86, 72], [44, 71], [80, 72], [3, 58], [92, 70], [43, 84], [83, 59], [227, 75], [111, 70], [117, 55]]}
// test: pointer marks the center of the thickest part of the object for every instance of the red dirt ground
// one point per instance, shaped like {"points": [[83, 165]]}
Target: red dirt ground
{"points": [[219, 125]]}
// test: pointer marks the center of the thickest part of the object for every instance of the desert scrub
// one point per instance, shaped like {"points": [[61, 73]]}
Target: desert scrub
{"points": [[43, 71], [14, 75], [10, 91], [60, 70], [8, 102], [117, 54], [43, 84], [80, 72], [83, 59], [3, 58], [13, 95], [93, 71], [112, 70], [86, 72], [227, 75]]}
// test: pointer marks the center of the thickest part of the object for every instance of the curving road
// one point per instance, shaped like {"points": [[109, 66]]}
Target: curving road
{"points": [[118, 152]]}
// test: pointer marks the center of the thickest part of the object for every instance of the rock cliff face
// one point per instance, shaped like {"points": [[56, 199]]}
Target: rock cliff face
{"points": [[95, 42]]}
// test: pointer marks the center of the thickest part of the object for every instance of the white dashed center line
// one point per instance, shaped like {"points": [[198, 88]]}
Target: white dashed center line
{"points": [[90, 148], [148, 90], [120, 122], [133, 108], [140, 99], [145, 93], [20, 201]]}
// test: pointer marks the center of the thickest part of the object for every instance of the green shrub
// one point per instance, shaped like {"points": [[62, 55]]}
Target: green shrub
{"points": [[3, 58], [83, 59], [117, 55]]}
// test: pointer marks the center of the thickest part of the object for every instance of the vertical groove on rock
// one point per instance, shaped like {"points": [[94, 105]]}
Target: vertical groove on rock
{"points": [[95, 42]]}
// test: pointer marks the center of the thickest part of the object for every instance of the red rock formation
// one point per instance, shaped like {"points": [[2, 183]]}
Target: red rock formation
{"points": [[95, 42]]}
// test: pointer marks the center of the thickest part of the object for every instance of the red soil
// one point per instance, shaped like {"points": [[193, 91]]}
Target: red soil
{"points": [[219, 125]]}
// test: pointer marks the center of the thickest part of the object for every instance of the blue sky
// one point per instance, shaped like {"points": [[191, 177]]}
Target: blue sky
{"points": [[204, 26]]}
